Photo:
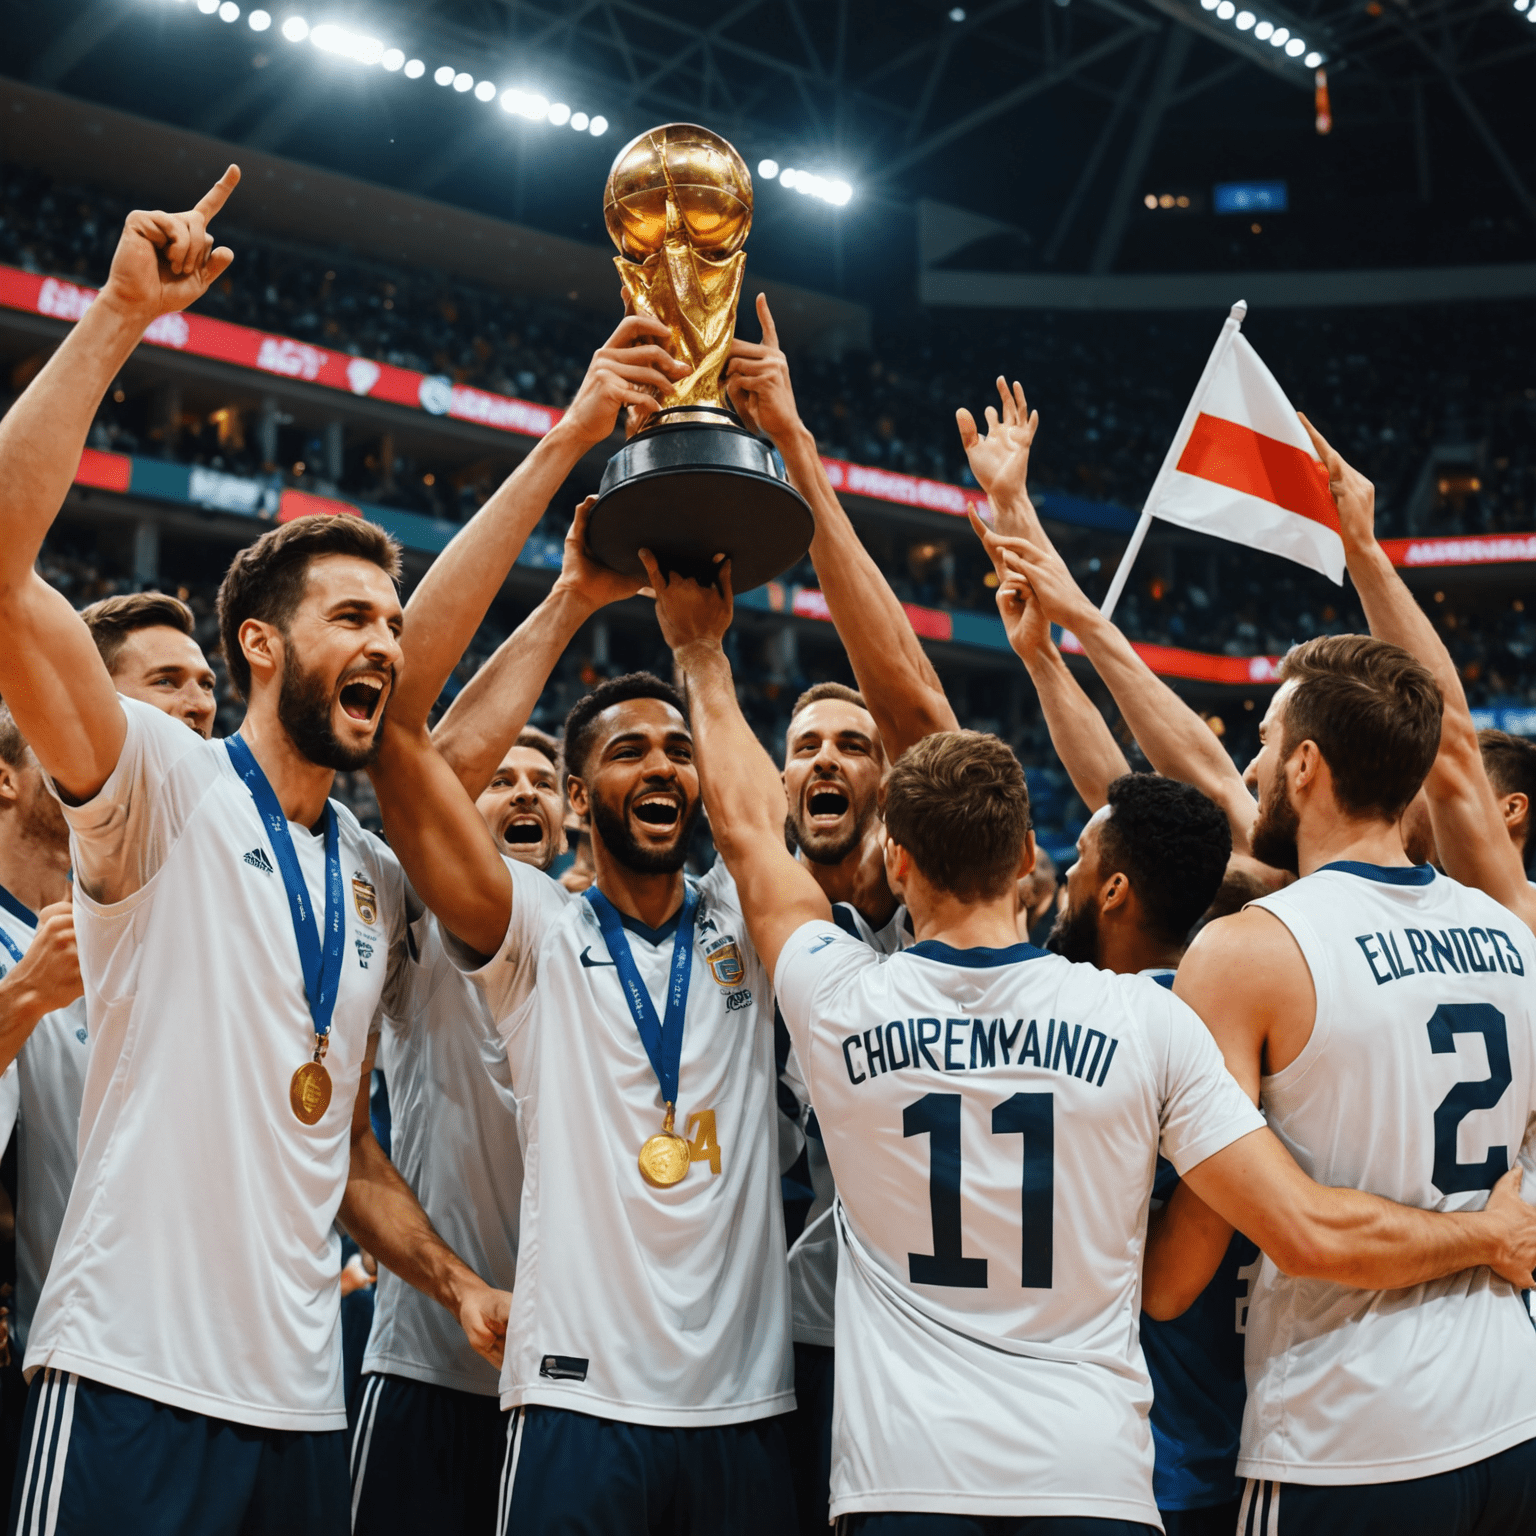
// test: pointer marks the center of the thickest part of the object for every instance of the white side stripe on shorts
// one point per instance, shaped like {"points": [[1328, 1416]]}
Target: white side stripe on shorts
{"points": [[509, 1469], [43, 1485], [1259, 1513], [366, 1414]]}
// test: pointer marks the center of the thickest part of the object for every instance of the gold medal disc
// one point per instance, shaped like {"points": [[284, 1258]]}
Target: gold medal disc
{"points": [[664, 1159], [309, 1093]]}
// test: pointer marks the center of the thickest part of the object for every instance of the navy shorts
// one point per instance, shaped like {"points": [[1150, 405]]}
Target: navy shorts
{"points": [[569, 1474], [808, 1433], [1495, 1497], [1215, 1520], [913, 1524], [425, 1458], [96, 1459]]}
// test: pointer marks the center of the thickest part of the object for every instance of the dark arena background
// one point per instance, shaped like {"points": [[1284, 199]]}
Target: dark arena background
{"points": [[1069, 193]]}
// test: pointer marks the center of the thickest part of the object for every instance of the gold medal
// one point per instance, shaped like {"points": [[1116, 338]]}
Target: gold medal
{"points": [[665, 1156], [309, 1090]]}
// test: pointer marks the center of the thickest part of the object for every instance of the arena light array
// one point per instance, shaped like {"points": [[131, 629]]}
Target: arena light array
{"points": [[1265, 31], [1526, 9], [363, 48], [830, 189]]}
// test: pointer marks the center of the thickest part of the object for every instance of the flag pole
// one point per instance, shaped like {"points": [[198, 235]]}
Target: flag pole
{"points": [[1230, 329]]}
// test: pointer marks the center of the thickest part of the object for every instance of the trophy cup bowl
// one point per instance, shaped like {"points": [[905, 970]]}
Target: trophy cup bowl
{"points": [[693, 482]]}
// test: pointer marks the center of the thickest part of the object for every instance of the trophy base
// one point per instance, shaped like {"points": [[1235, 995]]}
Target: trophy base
{"points": [[693, 489]]}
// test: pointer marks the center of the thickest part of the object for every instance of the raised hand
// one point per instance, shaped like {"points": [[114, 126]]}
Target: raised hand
{"points": [[584, 577], [1000, 460], [629, 372], [690, 614], [1353, 494], [49, 973], [1024, 619], [757, 381], [166, 261], [1060, 598]]}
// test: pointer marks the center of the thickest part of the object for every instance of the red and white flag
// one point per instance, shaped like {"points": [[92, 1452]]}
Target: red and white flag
{"points": [[1242, 467]]}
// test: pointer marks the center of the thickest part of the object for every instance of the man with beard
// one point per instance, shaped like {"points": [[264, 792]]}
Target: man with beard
{"points": [[1413, 1412], [988, 1382], [185, 1356], [429, 1433]]}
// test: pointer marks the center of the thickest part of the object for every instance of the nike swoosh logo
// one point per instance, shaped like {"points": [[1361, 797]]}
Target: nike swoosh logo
{"points": [[592, 964]]}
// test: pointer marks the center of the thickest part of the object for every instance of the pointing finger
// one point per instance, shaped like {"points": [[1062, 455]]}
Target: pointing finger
{"points": [[765, 318], [218, 194], [967, 424], [652, 571]]}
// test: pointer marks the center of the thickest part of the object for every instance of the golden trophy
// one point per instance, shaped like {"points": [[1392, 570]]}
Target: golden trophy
{"points": [[693, 482]]}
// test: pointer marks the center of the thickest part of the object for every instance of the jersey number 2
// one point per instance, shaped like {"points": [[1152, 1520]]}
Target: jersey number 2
{"points": [[1030, 1115], [1449, 1020]]}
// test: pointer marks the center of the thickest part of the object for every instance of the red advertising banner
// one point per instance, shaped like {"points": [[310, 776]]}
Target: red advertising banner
{"points": [[1469, 549], [1197, 666]]}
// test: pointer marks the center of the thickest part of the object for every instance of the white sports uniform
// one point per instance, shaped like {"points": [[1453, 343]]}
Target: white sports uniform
{"points": [[993, 1117], [198, 1262], [650, 1306], [49, 1077], [453, 1137], [813, 1259], [1418, 1084]]}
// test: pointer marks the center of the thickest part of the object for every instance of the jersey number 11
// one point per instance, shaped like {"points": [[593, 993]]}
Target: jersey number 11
{"points": [[1030, 1115]]}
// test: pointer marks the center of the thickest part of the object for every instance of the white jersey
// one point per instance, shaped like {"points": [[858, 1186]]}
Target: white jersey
{"points": [[1418, 1084], [453, 1137], [198, 1262], [813, 1259], [48, 1078], [993, 1117], [651, 1306]]}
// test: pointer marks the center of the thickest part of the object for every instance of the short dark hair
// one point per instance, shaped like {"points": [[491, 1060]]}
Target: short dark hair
{"points": [[1374, 712], [819, 691], [958, 803], [113, 619], [266, 579], [581, 723], [13, 745], [1510, 763], [539, 741], [1171, 842]]}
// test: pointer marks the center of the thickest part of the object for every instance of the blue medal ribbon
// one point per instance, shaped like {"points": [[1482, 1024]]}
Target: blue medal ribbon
{"points": [[24, 913], [319, 955], [662, 1038]]}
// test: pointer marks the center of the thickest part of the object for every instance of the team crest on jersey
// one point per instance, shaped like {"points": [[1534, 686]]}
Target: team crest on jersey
{"points": [[365, 899], [725, 965]]}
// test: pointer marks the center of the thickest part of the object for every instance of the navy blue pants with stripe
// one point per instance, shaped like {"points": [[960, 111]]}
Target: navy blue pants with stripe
{"points": [[95, 1459], [913, 1524], [1494, 1497], [569, 1474], [425, 1458]]}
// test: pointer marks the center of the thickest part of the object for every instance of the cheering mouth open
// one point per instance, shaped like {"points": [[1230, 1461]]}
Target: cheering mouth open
{"points": [[359, 700], [826, 803], [523, 830], [658, 810]]}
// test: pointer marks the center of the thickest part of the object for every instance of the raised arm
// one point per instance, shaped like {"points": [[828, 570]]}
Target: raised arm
{"points": [[50, 673], [1470, 835], [743, 791], [440, 838], [460, 585], [893, 672], [483, 722], [1178, 743]]}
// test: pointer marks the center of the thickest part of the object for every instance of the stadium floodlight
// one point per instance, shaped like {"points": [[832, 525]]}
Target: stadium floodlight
{"points": [[1263, 29], [1225, 10], [579, 121], [295, 29], [444, 76], [485, 91], [207, 7], [559, 113], [1522, 5], [1279, 37], [1295, 48], [393, 59], [1209, 5], [259, 21], [414, 69], [829, 189], [345, 44], [598, 127], [229, 11], [463, 82], [1313, 59], [768, 169], [1245, 19]]}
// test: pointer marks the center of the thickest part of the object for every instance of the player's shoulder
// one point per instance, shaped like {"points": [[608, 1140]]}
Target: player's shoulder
{"points": [[168, 741], [540, 892]]}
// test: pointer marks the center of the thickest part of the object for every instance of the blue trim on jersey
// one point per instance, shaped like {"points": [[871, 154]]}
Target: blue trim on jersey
{"points": [[1384, 874], [978, 959], [1163, 979], [842, 915], [652, 935], [16, 909]]}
